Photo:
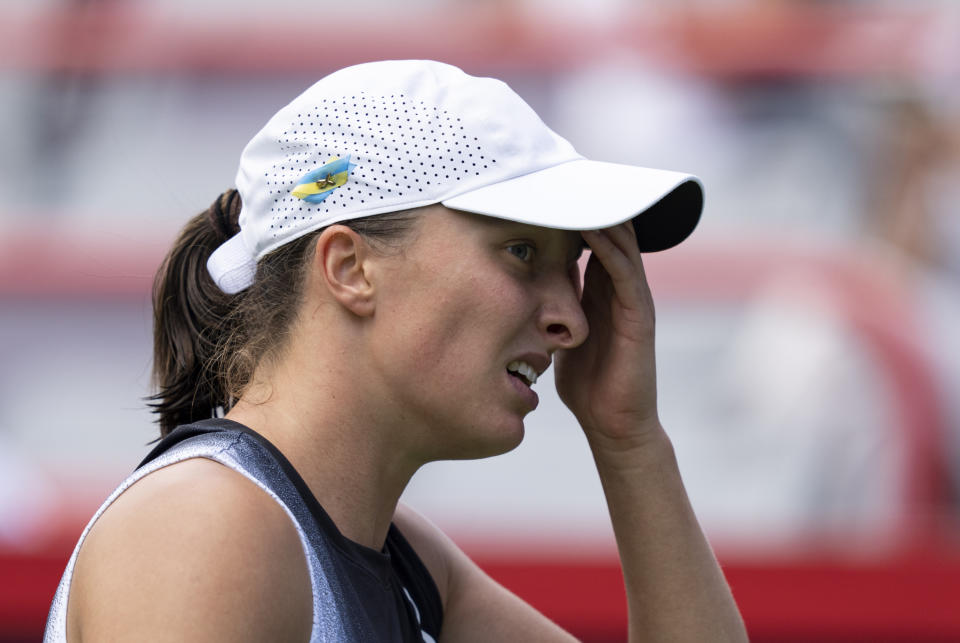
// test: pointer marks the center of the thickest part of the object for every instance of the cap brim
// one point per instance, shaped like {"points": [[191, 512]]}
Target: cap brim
{"points": [[590, 195]]}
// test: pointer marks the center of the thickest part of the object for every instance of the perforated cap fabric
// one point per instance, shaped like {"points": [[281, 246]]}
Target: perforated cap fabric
{"points": [[392, 135]]}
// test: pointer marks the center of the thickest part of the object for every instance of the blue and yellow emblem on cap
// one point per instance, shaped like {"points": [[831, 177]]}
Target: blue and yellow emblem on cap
{"points": [[316, 185]]}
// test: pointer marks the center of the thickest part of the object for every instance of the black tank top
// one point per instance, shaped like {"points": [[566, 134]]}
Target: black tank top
{"points": [[359, 594]]}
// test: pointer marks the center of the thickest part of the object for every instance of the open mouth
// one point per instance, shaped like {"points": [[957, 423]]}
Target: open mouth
{"points": [[520, 377], [523, 372]]}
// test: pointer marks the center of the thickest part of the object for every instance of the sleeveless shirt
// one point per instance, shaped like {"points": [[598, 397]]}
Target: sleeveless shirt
{"points": [[359, 594]]}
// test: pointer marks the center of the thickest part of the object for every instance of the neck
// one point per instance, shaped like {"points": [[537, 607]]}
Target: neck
{"points": [[349, 452]]}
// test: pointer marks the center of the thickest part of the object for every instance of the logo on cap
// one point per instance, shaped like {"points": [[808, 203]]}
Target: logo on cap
{"points": [[316, 185]]}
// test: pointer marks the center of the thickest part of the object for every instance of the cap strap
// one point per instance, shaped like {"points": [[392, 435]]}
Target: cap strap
{"points": [[231, 266]]}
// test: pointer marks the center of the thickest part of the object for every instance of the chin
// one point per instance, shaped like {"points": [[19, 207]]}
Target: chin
{"points": [[486, 442]]}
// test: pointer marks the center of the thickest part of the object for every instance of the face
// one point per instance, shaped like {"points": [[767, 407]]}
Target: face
{"points": [[468, 298]]}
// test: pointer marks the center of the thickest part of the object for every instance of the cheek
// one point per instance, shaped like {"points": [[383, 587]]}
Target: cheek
{"points": [[458, 328], [461, 322]]}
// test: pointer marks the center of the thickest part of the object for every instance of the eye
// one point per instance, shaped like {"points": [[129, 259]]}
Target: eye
{"points": [[523, 251]]}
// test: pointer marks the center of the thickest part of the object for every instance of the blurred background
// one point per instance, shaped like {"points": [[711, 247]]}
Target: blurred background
{"points": [[808, 342]]}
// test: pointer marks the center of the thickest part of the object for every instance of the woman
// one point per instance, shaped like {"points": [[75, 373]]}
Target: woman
{"points": [[395, 269]]}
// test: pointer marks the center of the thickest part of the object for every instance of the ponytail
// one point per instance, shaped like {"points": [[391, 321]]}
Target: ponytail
{"points": [[191, 318]]}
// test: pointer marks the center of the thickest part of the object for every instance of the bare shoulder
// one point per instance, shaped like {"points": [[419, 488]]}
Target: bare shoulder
{"points": [[475, 606], [193, 551]]}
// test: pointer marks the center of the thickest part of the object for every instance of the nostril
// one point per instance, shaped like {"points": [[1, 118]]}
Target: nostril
{"points": [[558, 329], [568, 335]]}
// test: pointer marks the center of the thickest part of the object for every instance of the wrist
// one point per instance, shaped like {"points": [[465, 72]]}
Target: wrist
{"points": [[630, 448]]}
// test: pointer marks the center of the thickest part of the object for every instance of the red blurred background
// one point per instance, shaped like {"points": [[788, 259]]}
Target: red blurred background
{"points": [[808, 351]]}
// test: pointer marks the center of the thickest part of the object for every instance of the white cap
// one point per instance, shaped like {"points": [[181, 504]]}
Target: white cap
{"points": [[393, 135]]}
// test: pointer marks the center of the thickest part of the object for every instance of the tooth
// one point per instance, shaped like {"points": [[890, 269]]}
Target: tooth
{"points": [[530, 373], [524, 369]]}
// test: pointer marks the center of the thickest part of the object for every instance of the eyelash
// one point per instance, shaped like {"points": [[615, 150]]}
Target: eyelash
{"points": [[527, 246]]}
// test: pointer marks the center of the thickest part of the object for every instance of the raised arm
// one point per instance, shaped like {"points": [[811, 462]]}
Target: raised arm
{"points": [[675, 588]]}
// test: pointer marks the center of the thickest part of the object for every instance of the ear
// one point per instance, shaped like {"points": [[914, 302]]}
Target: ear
{"points": [[341, 259]]}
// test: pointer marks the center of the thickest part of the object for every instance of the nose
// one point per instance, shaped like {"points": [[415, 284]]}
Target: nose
{"points": [[562, 319]]}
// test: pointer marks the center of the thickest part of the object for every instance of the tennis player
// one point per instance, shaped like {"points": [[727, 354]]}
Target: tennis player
{"points": [[394, 270]]}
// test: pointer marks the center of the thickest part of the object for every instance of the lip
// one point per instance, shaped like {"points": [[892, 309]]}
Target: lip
{"points": [[529, 396], [540, 362]]}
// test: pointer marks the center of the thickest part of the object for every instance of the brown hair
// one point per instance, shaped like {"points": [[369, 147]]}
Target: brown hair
{"points": [[206, 343]]}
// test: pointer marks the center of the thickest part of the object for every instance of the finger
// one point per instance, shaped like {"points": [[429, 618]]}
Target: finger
{"points": [[627, 276], [597, 285], [610, 245], [625, 238]]}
